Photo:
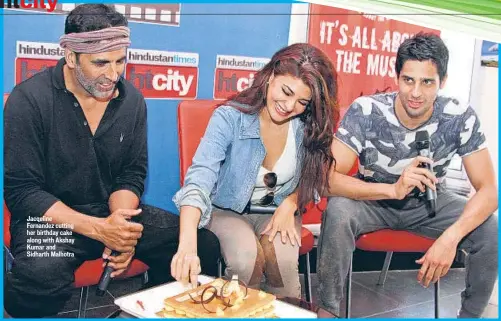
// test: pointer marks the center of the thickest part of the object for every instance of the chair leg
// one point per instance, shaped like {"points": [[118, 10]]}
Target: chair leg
{"points": [[386, 267], [82, 308], [437, 297], [220, 267], [348, 289], [307, 279], [145, 277], [8, 259]]}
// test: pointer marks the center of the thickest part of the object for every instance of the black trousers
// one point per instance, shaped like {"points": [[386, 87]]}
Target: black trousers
{"points": [[40, 286]]}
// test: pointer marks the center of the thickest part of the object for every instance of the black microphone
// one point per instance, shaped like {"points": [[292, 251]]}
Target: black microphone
{"points": [[259, 209], [423, 147], [105, 277]]}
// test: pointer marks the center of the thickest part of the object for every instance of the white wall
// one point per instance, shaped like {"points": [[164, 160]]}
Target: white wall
{"points": [[458, 85], [461, 55], [298, 30], [484, 97]]}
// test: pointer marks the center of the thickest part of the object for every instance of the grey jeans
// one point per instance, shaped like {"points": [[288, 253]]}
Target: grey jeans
{"points": [[345, 220], [251, 256]]}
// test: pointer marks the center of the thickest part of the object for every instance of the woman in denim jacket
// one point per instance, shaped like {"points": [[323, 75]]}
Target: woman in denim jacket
{"points": [[269, 146]]}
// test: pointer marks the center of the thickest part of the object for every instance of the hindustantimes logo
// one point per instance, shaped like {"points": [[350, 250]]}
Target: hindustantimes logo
{"points": [[163, 74], [34, 57], [48, 5], [234, 74]]}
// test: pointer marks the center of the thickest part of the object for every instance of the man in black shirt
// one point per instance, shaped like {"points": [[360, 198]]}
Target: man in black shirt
{"points": [[75, 164]]}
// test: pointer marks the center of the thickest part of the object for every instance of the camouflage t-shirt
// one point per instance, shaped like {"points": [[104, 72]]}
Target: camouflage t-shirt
{"points": [[386, 147]]}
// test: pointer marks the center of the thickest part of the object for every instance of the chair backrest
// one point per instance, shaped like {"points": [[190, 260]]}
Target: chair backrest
{"points": [[192, 119], [6, 226]]}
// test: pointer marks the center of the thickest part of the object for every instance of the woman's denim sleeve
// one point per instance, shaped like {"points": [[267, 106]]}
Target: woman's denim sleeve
{"points": [[203, 174]]}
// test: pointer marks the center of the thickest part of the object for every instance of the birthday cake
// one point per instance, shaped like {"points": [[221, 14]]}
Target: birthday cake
{"points": [[220, 299]]}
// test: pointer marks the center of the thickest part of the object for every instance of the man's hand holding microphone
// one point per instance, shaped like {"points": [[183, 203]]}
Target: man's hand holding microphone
{"points": [[420, 174], [120, 236], [415, 176]]}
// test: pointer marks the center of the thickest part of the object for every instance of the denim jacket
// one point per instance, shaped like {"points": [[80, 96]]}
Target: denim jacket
{"points": [[227, 162]]}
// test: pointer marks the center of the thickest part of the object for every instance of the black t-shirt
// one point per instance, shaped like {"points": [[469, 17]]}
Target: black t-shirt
{"points": [[51, 154]]}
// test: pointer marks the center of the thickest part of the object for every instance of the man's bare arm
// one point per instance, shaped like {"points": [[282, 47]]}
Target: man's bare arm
{"points": [[124, 199], [480, 171], [351, 187], [82, 224], [341, 184]]}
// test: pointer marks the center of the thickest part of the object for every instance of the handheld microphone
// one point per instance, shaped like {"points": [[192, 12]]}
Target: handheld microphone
{"points": [[105, 277], [258, 209], [423, 147]]}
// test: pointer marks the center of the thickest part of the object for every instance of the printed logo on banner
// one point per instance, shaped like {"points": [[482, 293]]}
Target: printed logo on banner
{"points": [[33, 57], [163, 74], [164, 14], [234, 74], [362, 48], [41, 5]]}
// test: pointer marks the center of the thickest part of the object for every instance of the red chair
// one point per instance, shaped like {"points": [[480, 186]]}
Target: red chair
{"points": [[312, 220], [86, 275], [390, 241], [192, 119]]}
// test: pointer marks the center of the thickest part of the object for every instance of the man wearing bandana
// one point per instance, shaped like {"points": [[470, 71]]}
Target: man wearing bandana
{"points": [[75, 163]]}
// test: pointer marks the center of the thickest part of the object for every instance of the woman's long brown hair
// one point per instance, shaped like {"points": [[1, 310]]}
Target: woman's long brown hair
{"points": [[315, 69]]}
